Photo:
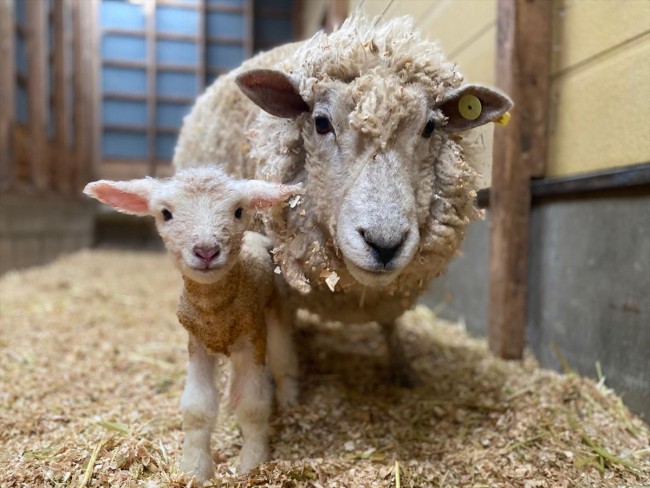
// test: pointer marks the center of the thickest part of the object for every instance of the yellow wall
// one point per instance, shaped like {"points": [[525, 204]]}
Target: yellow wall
{"points": [[465, 29], [600, 92]]}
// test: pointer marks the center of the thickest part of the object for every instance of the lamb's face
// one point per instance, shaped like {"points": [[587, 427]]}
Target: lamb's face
{"points": [[202, 226], [201, 214], [374, 152]]}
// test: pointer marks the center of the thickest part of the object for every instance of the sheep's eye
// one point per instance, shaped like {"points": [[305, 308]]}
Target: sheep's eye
{"points": [[167, 215], [428, 129], [238, 213], [323, 124]]}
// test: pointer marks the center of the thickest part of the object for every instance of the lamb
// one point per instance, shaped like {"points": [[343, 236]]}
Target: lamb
{"points": [[369, 120], [227, 302]]}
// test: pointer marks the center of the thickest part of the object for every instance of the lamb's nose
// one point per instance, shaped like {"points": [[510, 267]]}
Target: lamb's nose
{"points": [[206, 253], [384, 249]]}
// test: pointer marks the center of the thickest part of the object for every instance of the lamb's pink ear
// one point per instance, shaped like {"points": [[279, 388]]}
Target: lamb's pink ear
{"points": [[473, 105], [273, 92], [262, 194], [131, 197]]}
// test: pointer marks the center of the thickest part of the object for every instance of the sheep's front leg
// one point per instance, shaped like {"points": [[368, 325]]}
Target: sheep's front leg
{"points": [[251, 398], [281, 357], [400, 368], [199, 405]]}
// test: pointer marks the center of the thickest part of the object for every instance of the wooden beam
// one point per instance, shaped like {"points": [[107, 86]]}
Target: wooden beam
{"points": [[37, 92], [7, 91], [233, 41], [142, 97], [150, 20], [166, 36], [138, 129], [225, 9], [523, 71], [118, 63]]}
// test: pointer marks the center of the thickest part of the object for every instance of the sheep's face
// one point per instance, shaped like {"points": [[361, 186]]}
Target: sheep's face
{"points": [[202, 228], [201, 214], [370, 149], [371, 142]]}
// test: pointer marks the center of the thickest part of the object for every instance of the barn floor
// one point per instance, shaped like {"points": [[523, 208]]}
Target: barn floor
{"points": [[91, 370]]}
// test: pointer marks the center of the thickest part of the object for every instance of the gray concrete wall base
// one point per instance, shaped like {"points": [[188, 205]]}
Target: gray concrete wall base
{"points": [[589, 289]]}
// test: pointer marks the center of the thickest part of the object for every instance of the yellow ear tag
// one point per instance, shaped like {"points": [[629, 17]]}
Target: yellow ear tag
{"points": [[503, 120], [469, 107]]}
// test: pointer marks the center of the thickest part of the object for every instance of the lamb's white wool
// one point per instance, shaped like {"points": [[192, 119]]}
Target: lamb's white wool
{"points": [[202, 216], [365, 118]]}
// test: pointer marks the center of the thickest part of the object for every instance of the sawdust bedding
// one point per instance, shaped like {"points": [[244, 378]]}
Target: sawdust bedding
{"points": [[92, 363]]}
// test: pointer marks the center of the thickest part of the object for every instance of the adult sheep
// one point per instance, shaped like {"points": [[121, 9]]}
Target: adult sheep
{"points": [[365, 119]]}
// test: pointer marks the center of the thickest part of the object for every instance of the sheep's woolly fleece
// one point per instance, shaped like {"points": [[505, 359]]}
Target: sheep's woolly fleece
{"points": [[256, 144], [389, 55], [363, 46], [92, 362]]}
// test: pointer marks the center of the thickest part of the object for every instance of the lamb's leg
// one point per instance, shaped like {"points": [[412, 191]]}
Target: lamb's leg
{"points": [[281, 356], [400, 368], [251, 400], [199, 405]]}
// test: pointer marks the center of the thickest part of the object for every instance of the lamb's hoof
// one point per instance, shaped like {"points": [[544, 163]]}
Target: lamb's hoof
{"points": [[252, 456], [198, 463], [286, 394]]}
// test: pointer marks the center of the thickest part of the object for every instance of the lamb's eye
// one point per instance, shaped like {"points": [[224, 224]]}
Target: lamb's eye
{"points": [[167, 215], [323, 124], [428, 128], [238, 212]]}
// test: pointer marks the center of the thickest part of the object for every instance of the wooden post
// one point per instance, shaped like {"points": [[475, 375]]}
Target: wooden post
{"points": [[62, 158], [7, 90], [523, 71], [202, 48], [337, 11], [37, 92], [77, 86], [249, 40], [94, 91], [150, 19]]}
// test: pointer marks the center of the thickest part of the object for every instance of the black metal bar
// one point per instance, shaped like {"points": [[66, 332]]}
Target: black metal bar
{"points": [[636, 176]]}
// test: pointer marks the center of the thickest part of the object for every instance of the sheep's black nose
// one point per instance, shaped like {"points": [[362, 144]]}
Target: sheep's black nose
{"points": [[206, 253], [384, 249]]}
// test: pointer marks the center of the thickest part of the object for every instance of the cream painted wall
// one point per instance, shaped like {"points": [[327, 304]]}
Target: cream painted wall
{"points": [[600, 91]]}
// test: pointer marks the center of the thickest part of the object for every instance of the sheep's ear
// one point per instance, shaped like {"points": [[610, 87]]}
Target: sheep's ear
{"points": [[262, 194], [473, 105], [130, 197], [273, 92]]}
